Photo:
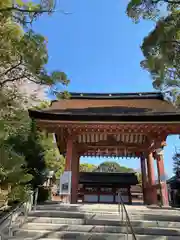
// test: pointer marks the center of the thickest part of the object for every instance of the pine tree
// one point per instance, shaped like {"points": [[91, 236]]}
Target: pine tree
{"points": [[30, 147], [176, 162]]}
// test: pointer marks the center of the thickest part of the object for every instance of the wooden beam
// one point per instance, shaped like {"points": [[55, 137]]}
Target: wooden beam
{"points": [[109, 128], [106, 145]]}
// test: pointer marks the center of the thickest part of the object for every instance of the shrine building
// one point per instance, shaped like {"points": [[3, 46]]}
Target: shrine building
{"points": [[102, 187], [129, 125]]}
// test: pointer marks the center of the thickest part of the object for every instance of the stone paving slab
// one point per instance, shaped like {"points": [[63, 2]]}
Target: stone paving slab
{"points": [[67, 221], [102, 229], [110, 206], [88, 215], [91, 212], [106, 208], [88, 236]]}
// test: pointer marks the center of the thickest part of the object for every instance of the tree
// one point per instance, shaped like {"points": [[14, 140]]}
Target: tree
{"points": [[139, 177], [87, 167], [30, 147], [176, 161], [53, 159], [24, 60], [23, 56], [23, 52], [25, 12], [162, 53], [112, 167], [161, 48], [13, 177], [151, 9]]}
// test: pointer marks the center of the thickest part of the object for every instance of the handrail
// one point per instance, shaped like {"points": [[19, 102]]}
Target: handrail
{"points": [[36, 193], [14, 214], [121, 208]]}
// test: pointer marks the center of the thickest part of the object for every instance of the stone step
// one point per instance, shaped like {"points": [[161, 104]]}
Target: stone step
{"points": [[104, 229], [111, 222], [105, 208], [76, 208], [72, 214], [140, 216], [101, 229], [30, 235], [14, 238]]}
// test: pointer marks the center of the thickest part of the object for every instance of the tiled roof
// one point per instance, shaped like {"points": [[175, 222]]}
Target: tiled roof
{"points": [[108, 178], [103, 105]]}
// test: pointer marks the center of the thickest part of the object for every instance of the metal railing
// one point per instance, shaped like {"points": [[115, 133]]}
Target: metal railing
{"points": [[124, 218], [16, 218], [36, 192]]}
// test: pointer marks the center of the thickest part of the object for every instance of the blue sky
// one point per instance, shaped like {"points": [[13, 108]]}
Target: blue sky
{"points": [[98, 46]]}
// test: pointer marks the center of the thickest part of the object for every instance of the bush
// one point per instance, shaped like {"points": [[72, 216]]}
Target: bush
{"points": [[18, 194], [44, 194]]}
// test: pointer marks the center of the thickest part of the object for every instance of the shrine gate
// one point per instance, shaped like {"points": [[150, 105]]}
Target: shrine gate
{"points": [[113, 125]]}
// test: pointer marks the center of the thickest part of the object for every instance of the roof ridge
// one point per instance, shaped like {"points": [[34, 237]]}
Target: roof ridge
{"points": [[115, 95]]}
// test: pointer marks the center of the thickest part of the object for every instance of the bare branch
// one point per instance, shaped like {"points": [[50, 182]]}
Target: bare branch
{"points": [[10, 80], [35, 11], [166, 1], [13, 67], [31, 79], [172, 2], [8, 9]]}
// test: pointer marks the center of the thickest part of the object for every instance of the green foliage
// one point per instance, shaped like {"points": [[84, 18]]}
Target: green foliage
{"points": [[13, 116], [12, 174], [31, 148], [87, 167], [11, 171], [23, 59], [161, 48], [43, 105], [113, 167], [23, 53], [145, 9], [107, 166], [139, 177], [176, 162], [25, 12], [54, 161], [19, 193], [13, 119]]}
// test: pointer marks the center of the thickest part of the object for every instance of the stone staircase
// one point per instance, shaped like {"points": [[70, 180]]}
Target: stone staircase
{"points": [[98, 222]]}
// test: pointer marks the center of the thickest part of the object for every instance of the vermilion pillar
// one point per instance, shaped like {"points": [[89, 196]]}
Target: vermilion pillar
{"points": [[72, 164], [162, 180], [75, 178], [152, 193], [69, 154], [144, 178], [68, 159]]}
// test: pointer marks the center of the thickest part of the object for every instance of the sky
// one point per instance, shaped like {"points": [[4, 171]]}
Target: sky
{"points": [[98, 47]]}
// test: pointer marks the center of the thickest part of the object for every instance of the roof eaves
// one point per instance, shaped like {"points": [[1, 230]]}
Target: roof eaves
{"points": [[102, 117]]}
